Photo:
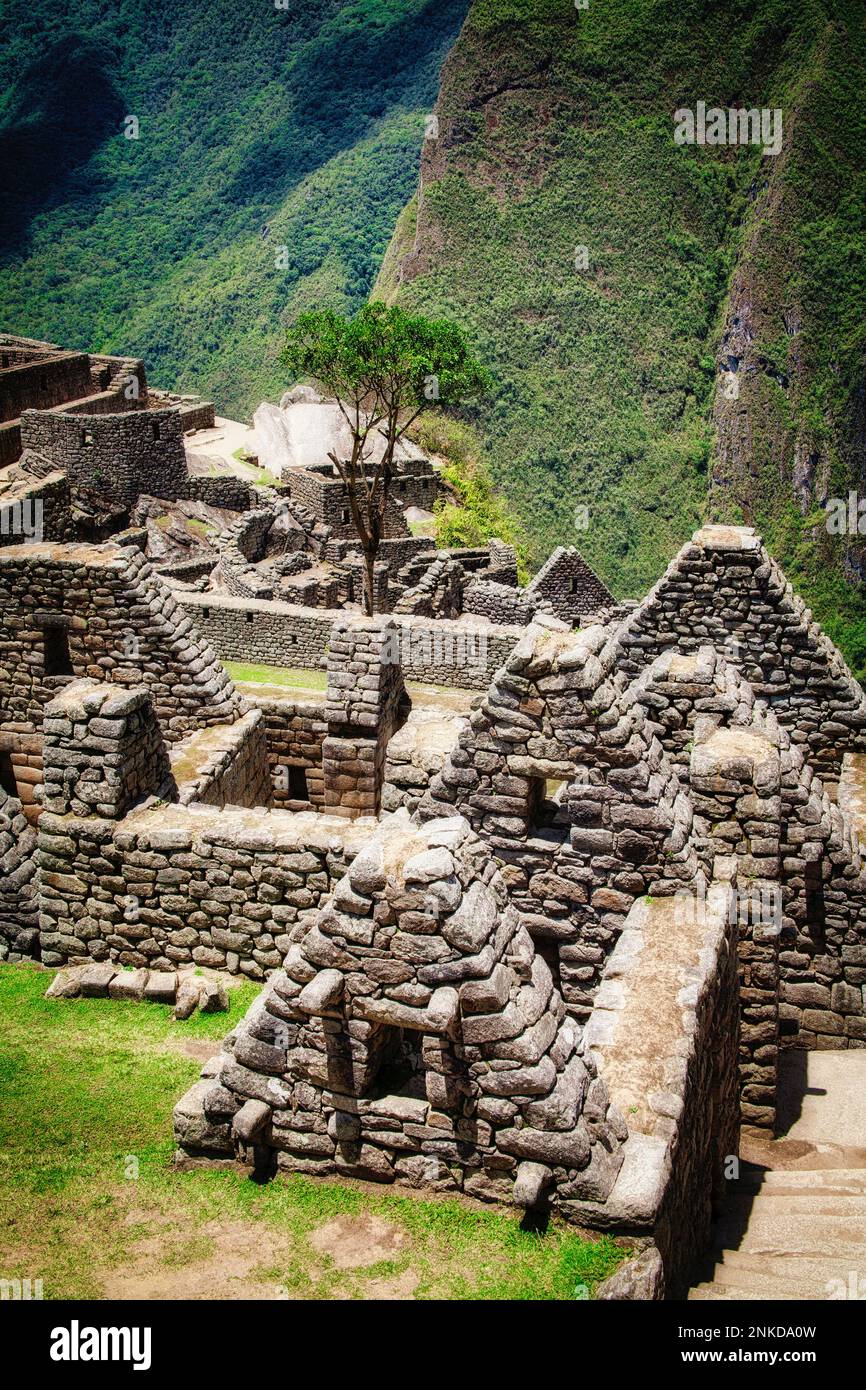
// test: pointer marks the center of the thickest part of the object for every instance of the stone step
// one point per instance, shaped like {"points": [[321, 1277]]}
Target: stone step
{"points": [[784, 1233], [715, 1293], [764, 1282], [845, 1180], [818, 1268], [802, 1201]]}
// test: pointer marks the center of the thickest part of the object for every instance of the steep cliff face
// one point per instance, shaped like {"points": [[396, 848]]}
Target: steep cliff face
{"points": [[674, 330], [790, 427]]}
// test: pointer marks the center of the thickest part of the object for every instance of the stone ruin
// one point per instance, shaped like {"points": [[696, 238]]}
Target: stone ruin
{"points": [[542, 944], [414, 1032], [90, 453]]}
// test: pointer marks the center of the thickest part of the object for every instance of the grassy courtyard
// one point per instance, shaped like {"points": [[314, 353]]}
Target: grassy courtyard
{"points": [[90, 1203]]}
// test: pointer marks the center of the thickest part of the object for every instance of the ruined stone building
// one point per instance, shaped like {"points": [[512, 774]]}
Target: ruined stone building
{"points": [[539, 937]]}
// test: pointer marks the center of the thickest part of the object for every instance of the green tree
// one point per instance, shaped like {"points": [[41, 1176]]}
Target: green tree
{"points": [[383, 367]]}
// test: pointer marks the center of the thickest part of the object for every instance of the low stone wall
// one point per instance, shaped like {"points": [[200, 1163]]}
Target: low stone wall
{"points": [[499, 602], [225, 766], [172, 884], [438, 651], [664, 1034], [295, 731], [232, 494]]}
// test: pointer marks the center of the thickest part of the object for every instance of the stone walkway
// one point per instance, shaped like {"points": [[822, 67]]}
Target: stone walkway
{"points": [[794, 1224]]}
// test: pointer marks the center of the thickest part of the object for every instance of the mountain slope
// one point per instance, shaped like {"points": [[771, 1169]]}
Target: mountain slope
{"points": [[259, 128], [601, 267]]}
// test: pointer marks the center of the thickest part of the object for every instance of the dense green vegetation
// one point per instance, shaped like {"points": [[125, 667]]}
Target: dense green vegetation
{"points": [[594, 263], [557, 135], [90, 1203], [260, 128]]}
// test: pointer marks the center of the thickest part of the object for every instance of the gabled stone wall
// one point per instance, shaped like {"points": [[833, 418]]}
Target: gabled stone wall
{"points": [[118, 623], [561, 775], [725, 589], [415, 1036]]}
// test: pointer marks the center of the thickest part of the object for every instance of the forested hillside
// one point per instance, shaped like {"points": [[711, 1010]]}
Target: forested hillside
{"points": [[259, 128], [615, 280]]}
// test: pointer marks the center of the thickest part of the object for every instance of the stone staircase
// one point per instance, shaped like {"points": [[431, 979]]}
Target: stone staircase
{"points": [[790, 1235], [794, 1223]]}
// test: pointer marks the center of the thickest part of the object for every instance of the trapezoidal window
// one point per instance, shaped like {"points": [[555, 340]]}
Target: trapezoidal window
{"points": [[155, 429], [298, 790], [55, 640], [546, 812], [87, 439]]}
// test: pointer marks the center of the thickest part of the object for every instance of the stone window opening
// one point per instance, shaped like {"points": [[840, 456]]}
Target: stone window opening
{"points": [[155, 429], [87, 439], [547, 813], [401, 1065], [7, 773], [298, 789], [55, 642]]}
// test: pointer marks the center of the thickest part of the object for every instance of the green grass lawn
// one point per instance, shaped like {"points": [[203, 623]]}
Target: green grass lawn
{"points": [[90, 1202], [296, 677]]}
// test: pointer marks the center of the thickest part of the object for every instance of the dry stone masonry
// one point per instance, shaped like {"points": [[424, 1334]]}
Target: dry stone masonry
{"points": [[542, 944]]}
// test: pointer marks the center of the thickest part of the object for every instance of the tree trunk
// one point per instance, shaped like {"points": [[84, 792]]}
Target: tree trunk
{"points": [[369, 576]]}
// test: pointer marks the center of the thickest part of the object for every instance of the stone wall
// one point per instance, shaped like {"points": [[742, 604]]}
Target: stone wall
{"points": [[323, 491], [225, 766], [664, 1035], [102, 751], [366, 702], [725, 589], [415, 1036], [562, 775], [170, 885], [36, 510], [462, 653], [120, 456], [87, 611], [231, 494], [42, 384], [19, 904], [295, 731], [500, 603], [565, 585]]}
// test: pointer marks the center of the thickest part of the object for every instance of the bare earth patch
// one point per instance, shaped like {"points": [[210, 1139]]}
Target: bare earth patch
{"points": [[355, 1241], [226, 1271]]}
